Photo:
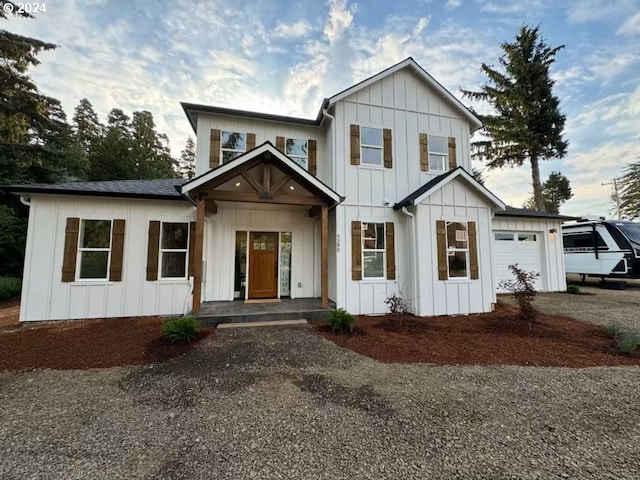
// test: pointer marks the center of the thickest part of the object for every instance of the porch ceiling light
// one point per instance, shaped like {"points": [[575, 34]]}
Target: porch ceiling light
{"points": [[291, 187], [238, 184]]}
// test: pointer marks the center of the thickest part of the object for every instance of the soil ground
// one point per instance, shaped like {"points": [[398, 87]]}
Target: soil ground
{"points": [[497, 338]]}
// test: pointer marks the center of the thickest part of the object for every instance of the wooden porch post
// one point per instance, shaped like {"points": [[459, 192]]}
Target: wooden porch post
{"points": [[197, 257], [324, 256]]}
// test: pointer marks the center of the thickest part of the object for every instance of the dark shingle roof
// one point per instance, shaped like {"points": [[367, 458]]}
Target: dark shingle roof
{"points": [[161, 189], [409, 199], [525, 212]]}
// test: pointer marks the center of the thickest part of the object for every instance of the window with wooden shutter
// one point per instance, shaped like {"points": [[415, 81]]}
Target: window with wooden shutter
{"points": [[153, 249], [391, 251], [312, 162], [441, 238], [473, 251], [452, 153], [280, 143], [387, 148], [214, 149], [424, 152], [117, 250], [356, 250], [355, 144], [70, 249]]}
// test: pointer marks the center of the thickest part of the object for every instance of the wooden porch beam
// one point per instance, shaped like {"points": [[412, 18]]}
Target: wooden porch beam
{"points": [[197, 257], [210, 206], [324, 257], [266, 177], [224, 195], [252, 181], [315, 211], [278, 186]]}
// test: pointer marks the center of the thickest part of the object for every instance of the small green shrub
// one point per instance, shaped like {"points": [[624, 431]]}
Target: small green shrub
{"points": [[397, 303], [614, 330], [524, 291], [573, 289], [341, 320], [627, 341], [9, 287], [182, 329]]}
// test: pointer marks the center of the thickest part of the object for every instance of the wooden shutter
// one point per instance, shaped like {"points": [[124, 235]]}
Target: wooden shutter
{"points": [[153, 249], [214, 149], [473, 251], [192, 247], [424, 152], [355, 144], [387, 148], [311, 157], [280, 143], [441, 236], [391, 251], [70, 249], [356, 251], [251, 141], [452, 153], [117, 250]]}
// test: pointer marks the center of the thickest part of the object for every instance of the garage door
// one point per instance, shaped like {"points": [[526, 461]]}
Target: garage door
{"points": [[522, 248]]}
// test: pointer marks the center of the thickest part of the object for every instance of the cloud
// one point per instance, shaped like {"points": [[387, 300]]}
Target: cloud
{"points": [[452, 4], [631, 26], [340, 19], [298, 29]]}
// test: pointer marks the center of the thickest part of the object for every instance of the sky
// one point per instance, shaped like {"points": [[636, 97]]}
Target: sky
{"points": [[284, 57]]}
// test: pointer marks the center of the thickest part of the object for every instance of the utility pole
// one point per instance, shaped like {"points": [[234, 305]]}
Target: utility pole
{"points": [[616, 196]]}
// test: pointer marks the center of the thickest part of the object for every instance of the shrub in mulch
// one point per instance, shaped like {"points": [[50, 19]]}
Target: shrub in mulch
{"points": [[90, 344], [496, 338]]}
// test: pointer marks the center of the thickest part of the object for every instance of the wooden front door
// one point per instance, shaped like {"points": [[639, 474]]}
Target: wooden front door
{"points": [[263, 265]]}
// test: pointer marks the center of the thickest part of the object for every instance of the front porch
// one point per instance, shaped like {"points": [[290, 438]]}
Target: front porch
{"points": [[213, 313]]}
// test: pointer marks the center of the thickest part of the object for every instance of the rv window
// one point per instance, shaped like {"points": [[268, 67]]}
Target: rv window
{"points": [[631, 230], [582, 240]]}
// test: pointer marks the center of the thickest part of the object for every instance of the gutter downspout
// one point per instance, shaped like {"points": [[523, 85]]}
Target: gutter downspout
{"points": [[414, 269], [24, 201], [333, 143]]}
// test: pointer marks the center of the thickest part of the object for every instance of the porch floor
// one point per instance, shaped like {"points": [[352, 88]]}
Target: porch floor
{"points": [[213, 313]]}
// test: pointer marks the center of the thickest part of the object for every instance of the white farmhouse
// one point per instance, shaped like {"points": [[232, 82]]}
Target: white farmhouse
{"points": [[372, 197]]}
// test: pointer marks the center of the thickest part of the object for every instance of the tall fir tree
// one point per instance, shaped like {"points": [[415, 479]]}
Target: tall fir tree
{"points": [[86, 126], [629, 191], [111, 155], [556, 190], [150, 148], [187, 160], [527, 124]]}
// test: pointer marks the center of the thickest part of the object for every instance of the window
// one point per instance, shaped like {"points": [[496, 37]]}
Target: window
{"points": [[527, 237], [438, 153], [583, 242], [371, 146], [232, 144], [373, 250], [457, 250], [503, 237], [297, 151], [94, 247], [174, 245]]}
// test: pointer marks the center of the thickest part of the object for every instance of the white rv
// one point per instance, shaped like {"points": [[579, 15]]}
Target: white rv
{"points": [[602, 248]]}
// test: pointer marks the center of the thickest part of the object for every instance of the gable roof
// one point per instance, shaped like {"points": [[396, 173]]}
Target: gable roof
{"points": [[411, 64], [278, 156], [525, 212], [159, 189], [440, 181]]}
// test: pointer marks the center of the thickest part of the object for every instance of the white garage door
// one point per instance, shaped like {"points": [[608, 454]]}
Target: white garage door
{"points": [[522, 248]]}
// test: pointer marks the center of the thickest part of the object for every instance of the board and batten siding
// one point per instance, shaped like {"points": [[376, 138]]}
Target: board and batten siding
{"points": [[46, 297], [264, 131], [455, 201], [553, 269], [220, 245]]}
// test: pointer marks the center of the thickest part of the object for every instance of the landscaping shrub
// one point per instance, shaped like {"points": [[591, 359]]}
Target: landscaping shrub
{"points": [[614, 330], [182, 329], [627, 341], [9, 287], [341, 320], [573, 289], [523, 290], [397, 304]]}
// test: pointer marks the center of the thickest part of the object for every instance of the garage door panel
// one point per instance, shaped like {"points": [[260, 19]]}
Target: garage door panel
{"points": [[523, 250]]}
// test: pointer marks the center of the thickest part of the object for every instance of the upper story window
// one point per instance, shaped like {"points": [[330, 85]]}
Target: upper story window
{"points": [[371, 151], [174, 247], [438, 153], [94, 249], [297, 150], [232, 145]]}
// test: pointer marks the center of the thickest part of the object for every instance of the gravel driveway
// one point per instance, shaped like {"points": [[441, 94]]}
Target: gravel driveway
{"points": [[282, 402]]}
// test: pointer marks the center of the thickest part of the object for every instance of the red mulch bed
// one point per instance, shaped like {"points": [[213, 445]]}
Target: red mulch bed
{"points": [[497, 338], [89, 344]]}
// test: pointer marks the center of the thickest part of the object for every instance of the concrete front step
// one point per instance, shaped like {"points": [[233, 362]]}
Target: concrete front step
{"points": [[211, 319]]}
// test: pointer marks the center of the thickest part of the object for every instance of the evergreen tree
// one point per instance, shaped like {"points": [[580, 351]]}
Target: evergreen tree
{"points": [[187, 161], [629, 191], [86, 126], [111, 155], [478, 175], [527, 123], [556, 190], [150, 149]]}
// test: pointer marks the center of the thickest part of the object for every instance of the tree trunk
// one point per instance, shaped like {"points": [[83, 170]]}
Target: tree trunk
{"points": [[535, 182]]}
